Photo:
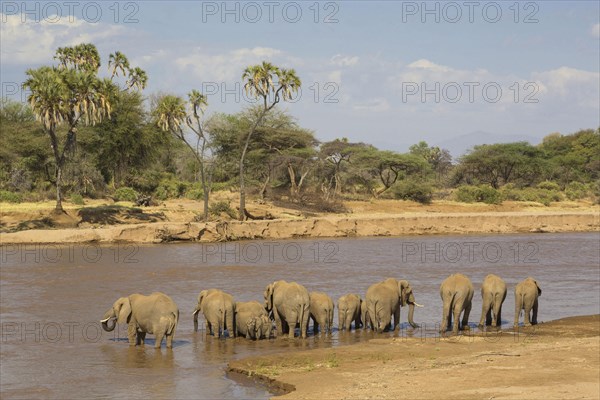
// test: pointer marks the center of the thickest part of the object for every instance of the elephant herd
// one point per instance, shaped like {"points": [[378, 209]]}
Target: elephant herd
{"points": [[290, 305]]}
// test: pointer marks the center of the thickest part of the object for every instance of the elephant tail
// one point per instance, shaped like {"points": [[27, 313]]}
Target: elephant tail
{"points": [[174, 319]]}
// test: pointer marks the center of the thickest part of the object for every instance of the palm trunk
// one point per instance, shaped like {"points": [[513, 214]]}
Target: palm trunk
{"points": [[59, 165]]}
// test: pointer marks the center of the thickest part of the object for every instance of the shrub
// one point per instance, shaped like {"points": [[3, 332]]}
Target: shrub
{"points": [[576, 191], [543, 196], [10, 197], [413, 190], [170, 189], [480, 194], [125, 194], [219, 186], [548, 185], [76, 198], [195, 192], [222, 207]]}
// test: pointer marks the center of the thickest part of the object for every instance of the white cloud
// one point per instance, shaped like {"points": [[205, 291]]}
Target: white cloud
{"points": [[569, 84], [224, 66], [335, 76], [34, 42], [343, 61], [595, 31], [378, 104]]}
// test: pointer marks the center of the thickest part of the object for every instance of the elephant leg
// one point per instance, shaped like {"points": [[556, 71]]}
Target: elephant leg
{"points": [[485, 308], [141, 338], [278, 322], [230, 325], [291, 319], [159, 339], [170, 340], [304, 323], [315, 325], [527, 320], [132, 334], [396, 318], [341, 322], [455, 325], [490, 317], [348, 323], [499, 316], [465, 321], [535, 312], [446, 317], [518, 307], [208, 328]]}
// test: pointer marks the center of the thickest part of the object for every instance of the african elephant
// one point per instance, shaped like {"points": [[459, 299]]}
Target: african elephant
{"points": [[321, 312], [493, 293], [289, 302], [349, 309], [526, 298], [218, 308], [156, 314], [364, 315], [457, 293], [251, 320], [384, 299]]}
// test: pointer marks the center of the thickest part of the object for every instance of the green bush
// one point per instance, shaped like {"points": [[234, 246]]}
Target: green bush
{"points": [[576, 191], [195, 192], [125, 194], [220, 207], [219, 186], [76, 198], [478, 194], [170, 189], [548, 185], [543, 196], [413, 190], [10, 197]]}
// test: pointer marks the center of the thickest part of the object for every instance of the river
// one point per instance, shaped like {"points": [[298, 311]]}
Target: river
{"points": [[51, 299]]}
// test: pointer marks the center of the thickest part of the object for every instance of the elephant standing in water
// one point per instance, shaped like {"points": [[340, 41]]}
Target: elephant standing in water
{"points": [[349, 309], [290, 304], [321, 312], [252, 321], [218, 308], [156, 314], [384, 299], [526, 298], [457, 293], [493, 293]]}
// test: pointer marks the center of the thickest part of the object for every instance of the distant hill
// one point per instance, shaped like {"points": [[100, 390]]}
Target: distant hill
{"points": [[459, 145]]}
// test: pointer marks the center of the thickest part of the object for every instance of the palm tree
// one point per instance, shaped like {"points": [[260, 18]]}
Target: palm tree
{"points": [[137, 79], [117, 62], [259, 84], [71, 94]]}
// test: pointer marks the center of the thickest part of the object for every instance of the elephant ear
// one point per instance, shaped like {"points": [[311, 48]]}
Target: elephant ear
{"points": [[123, 310], [268, 295], [538, 289], [201, 297]]}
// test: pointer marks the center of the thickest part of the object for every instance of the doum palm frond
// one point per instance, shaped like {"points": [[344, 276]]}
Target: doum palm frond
{"points": [[137, 78], [259, 79], [117, 62], [170, 113], [198, 102]]}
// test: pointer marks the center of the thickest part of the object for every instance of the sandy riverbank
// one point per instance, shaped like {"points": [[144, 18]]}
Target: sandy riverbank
{"points": [[554, 360], [177, 221]]}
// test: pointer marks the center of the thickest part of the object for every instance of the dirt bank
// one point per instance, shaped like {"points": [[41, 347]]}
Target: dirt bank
{"points": [[320, 227], [554, 360], [178, 221]]}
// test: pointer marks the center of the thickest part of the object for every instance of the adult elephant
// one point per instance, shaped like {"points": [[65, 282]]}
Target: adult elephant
{"points": [[493, 293], [349, 309], [384, 299], [526, 298], [218, 308], [321, 312], [290, 304], [252, 321], [156, 314], [457, 294]]}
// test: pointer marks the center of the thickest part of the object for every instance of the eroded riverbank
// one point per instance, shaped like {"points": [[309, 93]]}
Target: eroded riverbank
{"points": [[554, 360]]}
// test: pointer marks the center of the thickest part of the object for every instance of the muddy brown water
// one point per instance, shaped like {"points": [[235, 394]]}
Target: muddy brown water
{"points": [[52, 345]]}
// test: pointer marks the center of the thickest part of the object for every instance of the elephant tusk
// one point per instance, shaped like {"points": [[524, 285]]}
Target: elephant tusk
{"points": [[195, 312], [418, 305], [104, 320]]}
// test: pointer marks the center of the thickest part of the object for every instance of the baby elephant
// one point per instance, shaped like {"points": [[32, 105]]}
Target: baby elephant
{"points": [[493, 293], [252, 320], [218, 308], [321, 312], [457, 293], [349, 309], [526, 298]]}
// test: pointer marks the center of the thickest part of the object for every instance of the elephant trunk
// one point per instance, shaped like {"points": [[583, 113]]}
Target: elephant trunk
{"points": [[109, 315], [411, 312]]}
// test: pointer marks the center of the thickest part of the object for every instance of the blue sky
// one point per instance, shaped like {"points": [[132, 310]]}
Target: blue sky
{"points": [[386, 73]]}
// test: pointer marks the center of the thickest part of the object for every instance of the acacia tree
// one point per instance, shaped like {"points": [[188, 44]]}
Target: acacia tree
{"points": [[259, 84], [171, 115], [70, 94]]}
